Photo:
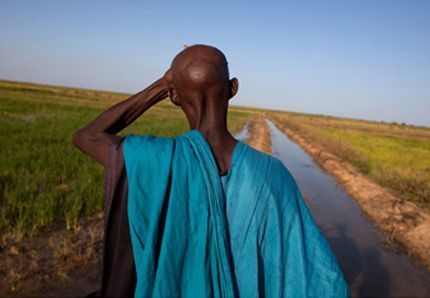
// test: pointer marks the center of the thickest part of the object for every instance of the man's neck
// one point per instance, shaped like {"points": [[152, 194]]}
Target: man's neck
{"points": [[222, 144]]}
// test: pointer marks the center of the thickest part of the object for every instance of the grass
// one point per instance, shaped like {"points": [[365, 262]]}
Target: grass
{"points": [[394, 155], [44, 180]]}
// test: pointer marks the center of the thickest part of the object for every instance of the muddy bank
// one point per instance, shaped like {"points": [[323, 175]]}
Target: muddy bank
{"points": [[259, 135], [402, 221], [59, 263]]}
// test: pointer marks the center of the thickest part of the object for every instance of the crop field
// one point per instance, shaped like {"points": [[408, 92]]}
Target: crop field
{"points": [[393, 155], [44, 180]]}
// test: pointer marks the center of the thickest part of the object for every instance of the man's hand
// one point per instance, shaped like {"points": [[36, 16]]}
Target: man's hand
{"points": [[96, 137], [168, 78]]}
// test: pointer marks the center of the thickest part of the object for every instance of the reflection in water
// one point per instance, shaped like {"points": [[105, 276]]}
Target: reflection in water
{"points": [[350, 252], [374, 273], [243, 135], [370, 269]]}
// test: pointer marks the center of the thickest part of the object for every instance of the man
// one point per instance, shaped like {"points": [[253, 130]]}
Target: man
{"points": [[202, 214]]}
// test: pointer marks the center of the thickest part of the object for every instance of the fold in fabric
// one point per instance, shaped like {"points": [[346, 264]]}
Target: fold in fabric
{"points": [[248, 234], [118, 274]]}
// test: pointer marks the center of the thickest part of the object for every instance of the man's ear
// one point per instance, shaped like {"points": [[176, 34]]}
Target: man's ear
{"points": [[234, 87], [173, 95]]}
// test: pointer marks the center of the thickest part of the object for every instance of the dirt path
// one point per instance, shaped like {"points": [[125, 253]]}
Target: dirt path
{"points": [[259, 135], [403, 221]]}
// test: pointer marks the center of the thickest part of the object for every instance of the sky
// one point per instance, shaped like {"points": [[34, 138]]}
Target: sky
{"points": [[366, 59]]}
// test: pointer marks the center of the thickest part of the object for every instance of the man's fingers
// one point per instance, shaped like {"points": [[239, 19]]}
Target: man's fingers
{"points": [[185, 46]]}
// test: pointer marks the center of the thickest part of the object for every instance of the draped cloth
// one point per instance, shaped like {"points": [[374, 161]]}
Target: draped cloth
{"points": [[196, 234], [118, 273]]}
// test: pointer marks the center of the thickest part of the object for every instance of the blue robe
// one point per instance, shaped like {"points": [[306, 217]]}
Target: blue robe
{"points": [[196, 234]]}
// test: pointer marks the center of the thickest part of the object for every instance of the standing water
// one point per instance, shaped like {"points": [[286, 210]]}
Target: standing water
{"points": [[369, 268], [243, 135]]}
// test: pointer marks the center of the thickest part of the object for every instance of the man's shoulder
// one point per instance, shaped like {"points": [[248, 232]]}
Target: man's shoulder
{"points": [[263, 157], [139, 139], [139, 142], [270, 166], [145, 148]]}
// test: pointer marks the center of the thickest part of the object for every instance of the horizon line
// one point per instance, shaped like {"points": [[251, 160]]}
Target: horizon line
{"points": [[233, 106]]}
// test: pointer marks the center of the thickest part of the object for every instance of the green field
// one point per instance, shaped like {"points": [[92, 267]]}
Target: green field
{"points": [[44, 180], [393, 155]]}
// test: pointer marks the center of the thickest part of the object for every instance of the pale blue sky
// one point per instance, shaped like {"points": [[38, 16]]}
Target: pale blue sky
{"points": [[359, 58]]}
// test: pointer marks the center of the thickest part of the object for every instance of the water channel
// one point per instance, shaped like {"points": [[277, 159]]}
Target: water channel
{"points": [[370, 267]]}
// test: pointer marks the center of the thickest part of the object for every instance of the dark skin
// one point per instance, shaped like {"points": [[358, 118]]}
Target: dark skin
{"points": [[197, 81]]}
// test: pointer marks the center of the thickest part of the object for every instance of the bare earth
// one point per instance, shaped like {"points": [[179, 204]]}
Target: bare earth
{"points": [[59, 263], [259, 135], [404, 222]]}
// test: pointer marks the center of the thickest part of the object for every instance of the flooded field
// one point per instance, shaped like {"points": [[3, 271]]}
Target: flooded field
{"points": [[370, 267]]}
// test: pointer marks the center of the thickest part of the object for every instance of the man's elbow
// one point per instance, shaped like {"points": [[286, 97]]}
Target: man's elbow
{"points": [[90, 144], [77, 139]]}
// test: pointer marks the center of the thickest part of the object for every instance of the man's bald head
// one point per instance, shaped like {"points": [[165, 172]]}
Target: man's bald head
{"points": [[199, 74], [199, 67]]}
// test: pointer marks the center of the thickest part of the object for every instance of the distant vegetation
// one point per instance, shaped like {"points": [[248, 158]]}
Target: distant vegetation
{"points": [[394, 155], [44, 180]]}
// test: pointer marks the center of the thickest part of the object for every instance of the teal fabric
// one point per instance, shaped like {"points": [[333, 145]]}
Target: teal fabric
{"points": [[196, 234]]}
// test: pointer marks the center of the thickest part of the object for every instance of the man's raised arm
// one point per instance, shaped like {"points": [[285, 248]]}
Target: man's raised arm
{"points": [[95, 138]]}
